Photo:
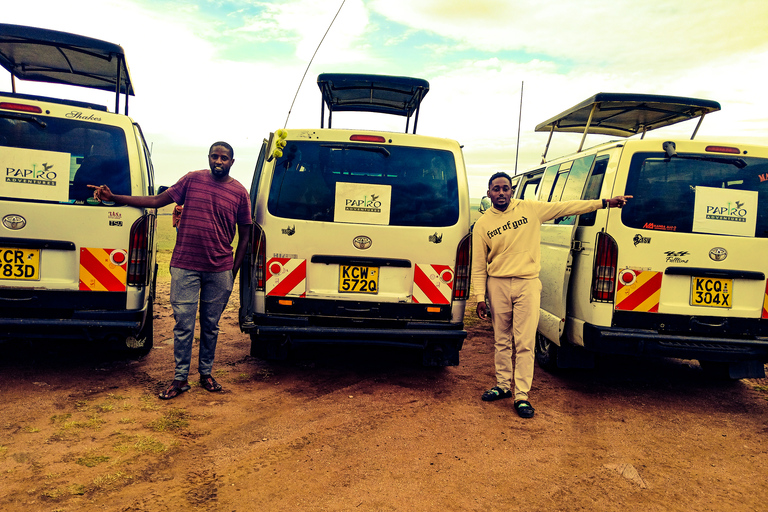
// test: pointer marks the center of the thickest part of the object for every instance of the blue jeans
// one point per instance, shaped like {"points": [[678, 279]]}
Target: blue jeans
{"points": [[211, 290]]}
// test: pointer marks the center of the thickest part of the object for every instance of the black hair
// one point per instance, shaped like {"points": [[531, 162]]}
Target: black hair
{"points": [[499, 174], [225, 146]]}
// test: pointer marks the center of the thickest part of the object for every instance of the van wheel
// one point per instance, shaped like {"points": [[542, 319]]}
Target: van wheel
{"points": [[142, 343], [271, 348], [546, 352], [441, 354]]}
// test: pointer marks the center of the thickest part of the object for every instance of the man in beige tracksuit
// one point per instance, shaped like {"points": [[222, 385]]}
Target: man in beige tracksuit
{"points": [[506, 255]]}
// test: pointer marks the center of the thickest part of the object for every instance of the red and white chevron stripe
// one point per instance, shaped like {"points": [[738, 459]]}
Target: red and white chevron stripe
{"points": [[432, 284], [286, 277]]}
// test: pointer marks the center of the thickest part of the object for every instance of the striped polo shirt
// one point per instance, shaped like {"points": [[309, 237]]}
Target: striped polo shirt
{"points": [[212, 211]]}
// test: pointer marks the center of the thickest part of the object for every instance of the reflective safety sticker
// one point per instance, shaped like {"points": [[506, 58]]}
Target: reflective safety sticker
{"points": [[286, 277], [765, 303], [103, 270], [432, 284], [641, 293]]}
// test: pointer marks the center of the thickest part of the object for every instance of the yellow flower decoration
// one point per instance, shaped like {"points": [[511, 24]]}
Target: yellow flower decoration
{"points": [[280, 143]]}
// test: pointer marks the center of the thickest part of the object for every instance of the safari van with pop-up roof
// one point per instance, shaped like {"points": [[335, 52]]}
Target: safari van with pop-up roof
{"points": [[361, 236], [680, 271], [72, 267]]}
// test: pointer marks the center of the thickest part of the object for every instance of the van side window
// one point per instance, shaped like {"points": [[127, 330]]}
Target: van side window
{"points": [[592, 189], [550, 175], [257, 173], [530, 186]]}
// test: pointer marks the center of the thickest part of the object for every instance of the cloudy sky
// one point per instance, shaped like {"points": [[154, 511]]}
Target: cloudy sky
{"points": [[229, 69]]}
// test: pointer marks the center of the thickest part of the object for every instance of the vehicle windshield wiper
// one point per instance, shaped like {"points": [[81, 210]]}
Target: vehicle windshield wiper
{"points": [[376, 149], [669, 149], [25, 117], [738, 162]]}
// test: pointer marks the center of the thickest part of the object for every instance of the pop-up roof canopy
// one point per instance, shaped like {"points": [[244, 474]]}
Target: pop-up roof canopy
{"points": [[625, 115], [43, 55], [396, 95]]}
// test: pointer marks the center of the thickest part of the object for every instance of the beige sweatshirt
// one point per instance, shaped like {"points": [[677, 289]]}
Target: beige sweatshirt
{"points": [[507, 244]]}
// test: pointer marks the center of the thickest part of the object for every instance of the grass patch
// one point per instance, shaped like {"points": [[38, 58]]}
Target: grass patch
{"points": [[111, 480], [31, 430], [76, 489], [70, 430], [149, 444], [172, 421], [763, 389], [148, 403], [92, 460], [60, 418]]}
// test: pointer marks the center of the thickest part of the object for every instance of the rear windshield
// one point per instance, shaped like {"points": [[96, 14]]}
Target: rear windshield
{"points": [[53, 159], [365, 183], [698, 193]]}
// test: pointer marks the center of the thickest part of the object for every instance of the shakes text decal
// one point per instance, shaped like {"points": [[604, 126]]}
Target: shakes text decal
{"points": [[362, 203], [33, 174], [725, 211]]}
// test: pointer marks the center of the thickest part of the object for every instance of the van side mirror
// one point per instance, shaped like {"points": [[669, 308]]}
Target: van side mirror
{"points": [[161, 189], [485, 203]]}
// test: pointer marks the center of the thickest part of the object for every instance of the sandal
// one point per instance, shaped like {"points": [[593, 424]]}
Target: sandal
{"points": [[176, 388], [524, 409], [208, 383], [496, 393]]}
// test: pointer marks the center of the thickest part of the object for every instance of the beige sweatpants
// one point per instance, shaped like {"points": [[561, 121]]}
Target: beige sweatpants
{"points": [[515, 315]]}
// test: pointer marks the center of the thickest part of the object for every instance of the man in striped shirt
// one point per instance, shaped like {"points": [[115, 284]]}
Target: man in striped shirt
{"points": [[202, 268]]}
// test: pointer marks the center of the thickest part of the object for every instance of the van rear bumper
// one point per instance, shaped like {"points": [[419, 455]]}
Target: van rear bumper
{"points": [[406, 334], [66, 315], [621, 340]]}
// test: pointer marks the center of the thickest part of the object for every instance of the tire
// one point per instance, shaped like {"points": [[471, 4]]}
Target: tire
{"points": [[270, 348], [546, 353], [441, 354]]}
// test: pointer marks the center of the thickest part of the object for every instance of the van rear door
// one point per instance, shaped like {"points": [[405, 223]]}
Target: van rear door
{"points": [[561, 182]]}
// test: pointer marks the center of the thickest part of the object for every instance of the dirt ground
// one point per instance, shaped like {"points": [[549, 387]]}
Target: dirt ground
{"points": [[371, 430]]}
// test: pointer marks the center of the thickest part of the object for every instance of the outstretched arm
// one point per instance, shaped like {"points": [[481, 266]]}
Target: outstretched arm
{"points": [[103, 193]]}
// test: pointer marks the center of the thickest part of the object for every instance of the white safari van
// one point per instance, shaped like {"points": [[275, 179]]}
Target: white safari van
{"points": [[681, 270], [360, 236], [70, 266]]}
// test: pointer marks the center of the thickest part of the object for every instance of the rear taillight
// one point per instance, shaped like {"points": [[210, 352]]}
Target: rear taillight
{"points": [[21, 107], [604, 271], [138, 251], [260, 255], [461, 281]]}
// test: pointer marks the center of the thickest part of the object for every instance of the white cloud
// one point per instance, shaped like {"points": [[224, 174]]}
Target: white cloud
{"points": [[188, 94]]}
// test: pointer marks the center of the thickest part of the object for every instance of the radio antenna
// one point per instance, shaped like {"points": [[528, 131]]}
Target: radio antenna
{"points": [[519, 122], [310, 63]]}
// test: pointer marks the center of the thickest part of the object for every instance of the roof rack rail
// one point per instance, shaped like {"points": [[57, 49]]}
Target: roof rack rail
{"points": [[348, 92], [43, 55], [626, 114]]}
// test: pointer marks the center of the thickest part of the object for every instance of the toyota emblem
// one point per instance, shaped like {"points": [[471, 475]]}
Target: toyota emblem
{"points": [[362, 242], [14, 221], [718, 254]]}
